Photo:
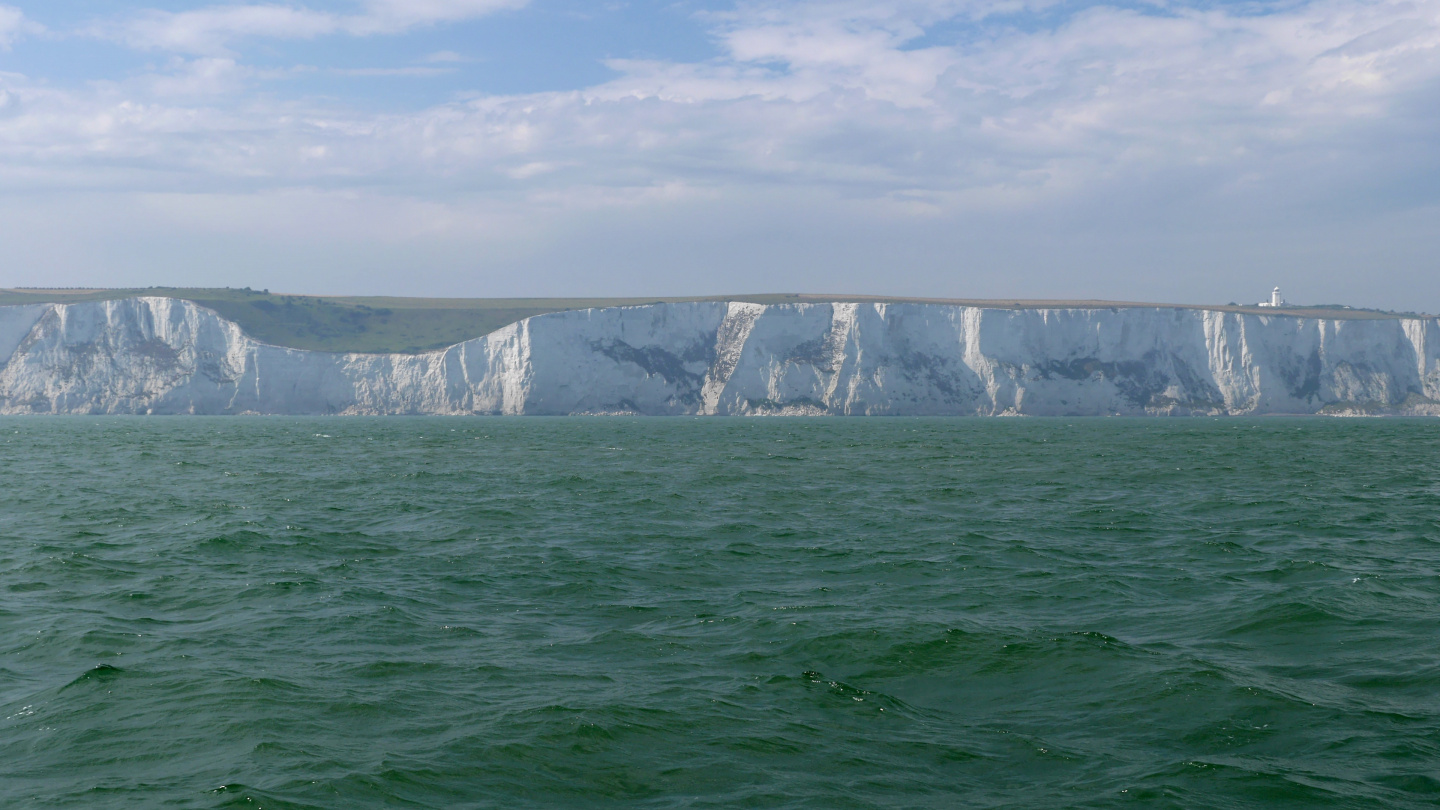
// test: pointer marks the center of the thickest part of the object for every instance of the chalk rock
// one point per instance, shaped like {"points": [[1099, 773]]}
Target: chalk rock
{"points": [[167, 356]]}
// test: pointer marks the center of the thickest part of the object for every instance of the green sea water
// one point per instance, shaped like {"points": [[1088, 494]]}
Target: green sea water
{"points": [[803, 613]]}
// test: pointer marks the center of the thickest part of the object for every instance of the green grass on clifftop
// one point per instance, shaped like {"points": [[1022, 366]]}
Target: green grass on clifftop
{"points": [[412, 325], [355, 324]]}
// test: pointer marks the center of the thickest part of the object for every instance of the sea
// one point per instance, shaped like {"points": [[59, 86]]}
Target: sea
{"points": [[353, 613]]}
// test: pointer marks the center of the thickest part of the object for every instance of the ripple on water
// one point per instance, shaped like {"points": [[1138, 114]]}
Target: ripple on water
{"points": [[432, 613]]}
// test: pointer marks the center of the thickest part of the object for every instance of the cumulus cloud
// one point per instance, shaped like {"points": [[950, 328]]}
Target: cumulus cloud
{"points": [[843, 94], [898, 112]]}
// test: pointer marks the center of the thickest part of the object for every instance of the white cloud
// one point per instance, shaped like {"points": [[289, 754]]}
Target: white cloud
{"points": [[826, 98], [447, 57], [1200, 120], [13, 25], [412, 71], [803, 96], [214, 29], [210, 30], [388, 16]]}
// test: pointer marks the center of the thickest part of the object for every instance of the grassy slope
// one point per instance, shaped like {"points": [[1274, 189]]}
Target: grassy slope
{"points": [[409, 325]]}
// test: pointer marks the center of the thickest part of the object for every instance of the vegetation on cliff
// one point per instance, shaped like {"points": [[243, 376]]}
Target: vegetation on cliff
{"points": [[412, 325]]}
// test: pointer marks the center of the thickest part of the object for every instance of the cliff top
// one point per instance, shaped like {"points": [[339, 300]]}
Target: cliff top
{"points": [[409, 325]]}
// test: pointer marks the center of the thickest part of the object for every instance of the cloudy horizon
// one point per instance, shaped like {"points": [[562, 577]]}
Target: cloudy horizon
{"points": [[1180, 152]]}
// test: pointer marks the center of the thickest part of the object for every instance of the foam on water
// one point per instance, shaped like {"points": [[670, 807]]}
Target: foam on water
{"points": [[358, 613]]}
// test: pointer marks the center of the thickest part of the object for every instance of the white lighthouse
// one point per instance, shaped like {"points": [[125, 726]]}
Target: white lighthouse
{"points": [[1275, 299]]}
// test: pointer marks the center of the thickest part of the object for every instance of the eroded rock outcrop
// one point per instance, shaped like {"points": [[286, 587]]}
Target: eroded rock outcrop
{"points": [[163, 356]]}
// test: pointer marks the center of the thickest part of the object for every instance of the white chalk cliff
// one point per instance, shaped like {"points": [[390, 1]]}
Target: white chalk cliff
{"points": [[167, 356]]}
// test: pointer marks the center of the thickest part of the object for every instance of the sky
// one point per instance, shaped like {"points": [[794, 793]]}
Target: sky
{"points": [[1184, 152]]}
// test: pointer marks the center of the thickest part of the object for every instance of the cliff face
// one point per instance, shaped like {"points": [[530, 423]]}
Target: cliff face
{"points": [[162, 356]]}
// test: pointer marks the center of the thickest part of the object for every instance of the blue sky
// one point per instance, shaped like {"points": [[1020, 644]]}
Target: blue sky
{"points": [[1188, 152], [514, 48]]}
